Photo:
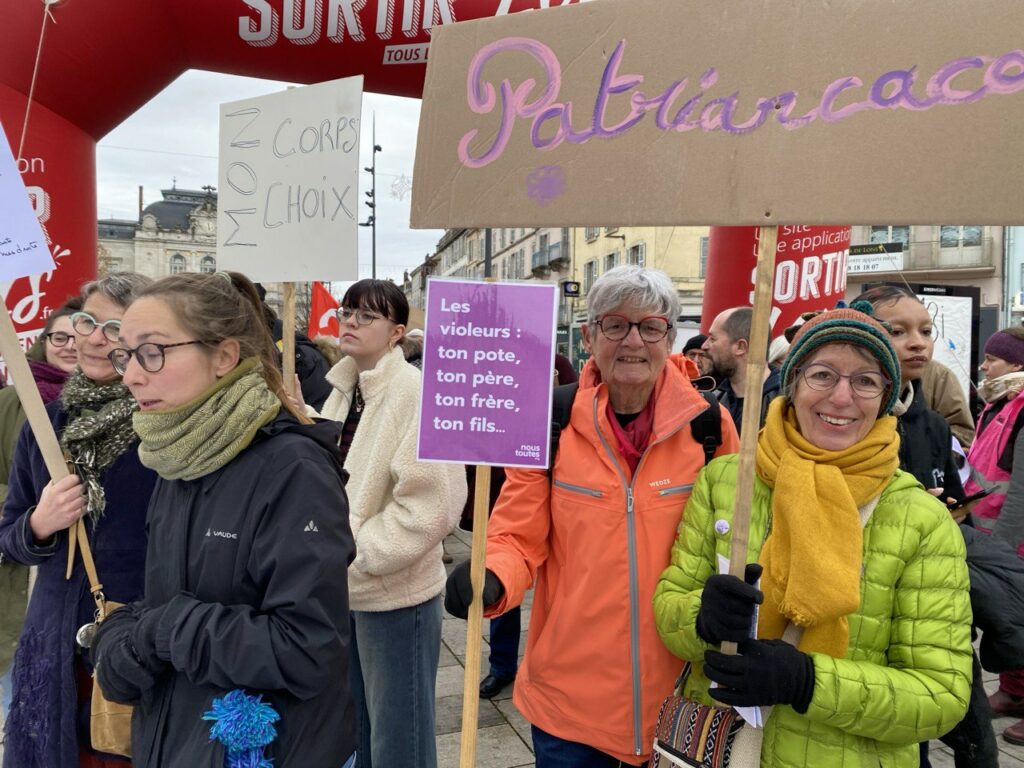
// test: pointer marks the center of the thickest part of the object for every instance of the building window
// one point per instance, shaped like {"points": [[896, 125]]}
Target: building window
{"points": [[611, 260], [589, 274], [956, 236], [208, 265], [636, 255], [702, 269], [609, 230], [591, 233], [177, 264], [891, 234]]}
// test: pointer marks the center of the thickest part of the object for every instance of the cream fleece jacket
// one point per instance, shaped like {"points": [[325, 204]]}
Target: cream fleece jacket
{"points": [[400, 509]]}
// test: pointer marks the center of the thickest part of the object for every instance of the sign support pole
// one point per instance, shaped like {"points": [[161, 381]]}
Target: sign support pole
{"points": [[474, 625], [757, 352], [288, 336]]}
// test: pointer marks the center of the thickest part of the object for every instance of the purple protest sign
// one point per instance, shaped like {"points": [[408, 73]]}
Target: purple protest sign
{"points": [[488, 370]]}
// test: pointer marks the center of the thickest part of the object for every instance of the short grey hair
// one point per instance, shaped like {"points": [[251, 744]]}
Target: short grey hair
{"points": [[120, 287], [631, 284]]}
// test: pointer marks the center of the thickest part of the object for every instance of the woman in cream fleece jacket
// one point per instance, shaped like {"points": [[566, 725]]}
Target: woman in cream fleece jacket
{"points": [[400, 511]]}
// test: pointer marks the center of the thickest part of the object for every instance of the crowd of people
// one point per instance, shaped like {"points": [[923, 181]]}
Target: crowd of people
{"points": [[271, 550]]}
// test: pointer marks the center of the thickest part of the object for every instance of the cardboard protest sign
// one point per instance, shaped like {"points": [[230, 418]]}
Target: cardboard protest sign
{"points": [[288, 183], [23, 252], [688, 112], [23, 248], [488, 370]]}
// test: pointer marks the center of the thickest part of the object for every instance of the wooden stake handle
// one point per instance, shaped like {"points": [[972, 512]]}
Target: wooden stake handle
{"points": [[288, 335], [757, 353], [474, 625], [28, 393]]}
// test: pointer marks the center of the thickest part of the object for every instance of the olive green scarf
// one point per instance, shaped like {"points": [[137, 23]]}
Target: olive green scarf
{"points": [[202, 436]]}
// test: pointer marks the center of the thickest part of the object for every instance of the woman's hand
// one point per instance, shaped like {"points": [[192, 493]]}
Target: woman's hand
{"points": [[727, 606], [765, 672], [60, 506], [294, 392]]}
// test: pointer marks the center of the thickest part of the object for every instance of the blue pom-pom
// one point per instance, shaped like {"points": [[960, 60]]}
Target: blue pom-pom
{"points": [[244, 725]]}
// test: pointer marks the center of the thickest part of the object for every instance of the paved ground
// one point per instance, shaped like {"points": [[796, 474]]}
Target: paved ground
{"points": [[503, 739]]}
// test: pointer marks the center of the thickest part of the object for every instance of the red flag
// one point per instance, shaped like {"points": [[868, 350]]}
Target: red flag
{"points": [[322, 318]]}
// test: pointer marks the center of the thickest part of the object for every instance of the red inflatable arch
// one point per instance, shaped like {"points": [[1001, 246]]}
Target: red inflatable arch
{"points": [[103, 59]]}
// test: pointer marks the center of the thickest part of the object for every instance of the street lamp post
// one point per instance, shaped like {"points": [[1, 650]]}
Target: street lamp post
{"points": [[371, 203]]}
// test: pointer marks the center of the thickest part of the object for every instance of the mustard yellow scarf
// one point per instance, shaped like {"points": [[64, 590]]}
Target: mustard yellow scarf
{"points": [[812, 559]]}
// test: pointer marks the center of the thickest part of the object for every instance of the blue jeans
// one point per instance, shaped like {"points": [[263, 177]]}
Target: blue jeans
{"points": [[394, 671], [504, 656], [553, 752], [5, 693]]}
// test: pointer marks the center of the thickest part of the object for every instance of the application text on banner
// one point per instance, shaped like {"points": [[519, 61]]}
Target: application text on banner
{"points": [[488, 370]]}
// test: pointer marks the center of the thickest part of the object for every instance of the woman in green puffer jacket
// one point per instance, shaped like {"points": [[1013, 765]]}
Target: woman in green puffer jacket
{"points": [[863, 634]]}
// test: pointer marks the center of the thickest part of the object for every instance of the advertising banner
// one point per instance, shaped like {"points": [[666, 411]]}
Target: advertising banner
{"points": [[810, 271], [289, 183], [488, 371], [690, 112]]}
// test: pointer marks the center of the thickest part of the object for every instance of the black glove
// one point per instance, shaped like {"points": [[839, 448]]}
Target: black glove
{"points": [[123, 669], [458, 592], [727, 606], [765, 672]]}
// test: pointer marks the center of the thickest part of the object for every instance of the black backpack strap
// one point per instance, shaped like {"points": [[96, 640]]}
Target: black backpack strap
{"points": [[707, 427], [561, 410]]}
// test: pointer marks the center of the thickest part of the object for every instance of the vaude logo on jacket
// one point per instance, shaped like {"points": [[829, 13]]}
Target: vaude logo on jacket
{"points": [[311, 527], [221, 534]]}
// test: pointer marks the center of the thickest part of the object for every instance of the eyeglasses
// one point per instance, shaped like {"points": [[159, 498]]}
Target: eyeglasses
{"points": [[60, 338], [85, 324], [823, 378], [617, 327], [362, 316], [150, 355]]}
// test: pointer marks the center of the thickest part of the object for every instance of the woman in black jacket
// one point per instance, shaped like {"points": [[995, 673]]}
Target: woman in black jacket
{"points": [[245, 619]]}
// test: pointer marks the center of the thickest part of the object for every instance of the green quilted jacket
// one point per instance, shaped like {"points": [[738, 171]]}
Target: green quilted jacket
{"points": [[906, 677]]}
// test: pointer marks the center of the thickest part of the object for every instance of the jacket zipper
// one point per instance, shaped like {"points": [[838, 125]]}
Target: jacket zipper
{"points": [[631, 537], [579, 489], [634, 587], [674, 491]]}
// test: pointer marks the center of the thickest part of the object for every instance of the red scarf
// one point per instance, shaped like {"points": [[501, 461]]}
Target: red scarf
{"points": [[633, 437]]}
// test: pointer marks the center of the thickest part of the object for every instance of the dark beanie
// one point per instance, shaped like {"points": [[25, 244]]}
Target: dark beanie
{"points": [[694, 342], [846, 326], [1005, 346]]}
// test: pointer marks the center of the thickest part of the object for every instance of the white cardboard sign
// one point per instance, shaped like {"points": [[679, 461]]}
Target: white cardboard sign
{"points": [[23, 248], [288, 183]]}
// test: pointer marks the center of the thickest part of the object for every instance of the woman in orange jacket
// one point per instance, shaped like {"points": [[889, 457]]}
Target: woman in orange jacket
{"points": [[595, 534]]}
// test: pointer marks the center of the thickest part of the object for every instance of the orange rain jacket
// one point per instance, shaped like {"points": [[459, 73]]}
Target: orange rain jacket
{"points": [[595, 540]]}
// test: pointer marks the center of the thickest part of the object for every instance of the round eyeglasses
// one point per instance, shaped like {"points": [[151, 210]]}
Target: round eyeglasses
{"points": [[362, 316], [617, 327], [84, 324], [151, 356], [60, 338], [822, 377]]}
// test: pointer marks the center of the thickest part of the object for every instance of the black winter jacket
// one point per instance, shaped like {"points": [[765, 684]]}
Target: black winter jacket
{"points": [[997, 598], [926, 447], [246, 587]]}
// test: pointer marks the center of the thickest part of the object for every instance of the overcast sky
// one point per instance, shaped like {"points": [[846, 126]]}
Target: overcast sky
{"points": [[175, 136]]}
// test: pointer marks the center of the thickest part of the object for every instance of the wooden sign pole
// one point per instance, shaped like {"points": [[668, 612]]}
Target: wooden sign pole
{"points": [[474, 625], [31, 401], [757, 353], [288, 336]]}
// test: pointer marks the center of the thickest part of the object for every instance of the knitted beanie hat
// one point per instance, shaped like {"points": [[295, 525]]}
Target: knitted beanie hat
{"points": [[1006, 346], [694, 342], [846, 326]]}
